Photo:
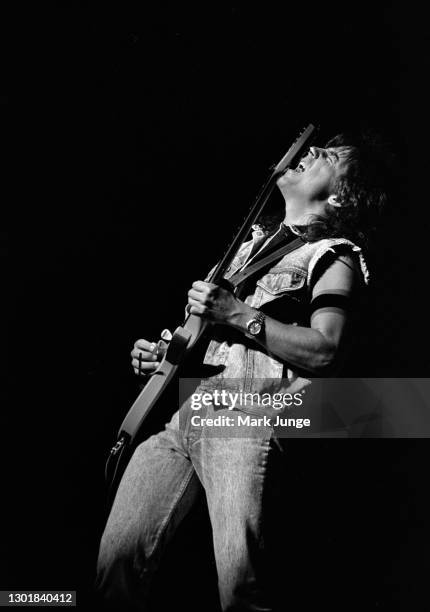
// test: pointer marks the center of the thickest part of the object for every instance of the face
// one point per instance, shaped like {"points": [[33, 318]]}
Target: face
{"points": [[315, 177]]}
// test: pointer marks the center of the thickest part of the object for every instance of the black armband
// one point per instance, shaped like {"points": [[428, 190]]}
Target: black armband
{"points": [[330, 301]]}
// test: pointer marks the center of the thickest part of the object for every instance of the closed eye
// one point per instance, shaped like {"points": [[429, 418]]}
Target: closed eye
{"points": [[332, 157]]}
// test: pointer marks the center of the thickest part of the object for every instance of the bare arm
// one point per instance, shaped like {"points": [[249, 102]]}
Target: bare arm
{"points": [[311, 348]]}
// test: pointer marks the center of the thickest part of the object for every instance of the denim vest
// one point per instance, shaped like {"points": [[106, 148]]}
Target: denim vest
{"points": [[282, 292]]}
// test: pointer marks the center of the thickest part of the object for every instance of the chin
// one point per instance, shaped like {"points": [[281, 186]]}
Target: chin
{"points": [[286, 180], [283, 180], [282, 185]]}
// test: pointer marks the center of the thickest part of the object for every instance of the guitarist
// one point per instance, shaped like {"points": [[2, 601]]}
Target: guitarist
{"points": [[331, 201]]}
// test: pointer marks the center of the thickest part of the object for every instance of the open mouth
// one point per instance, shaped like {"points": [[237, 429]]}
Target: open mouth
{"points": [[300, 168]]}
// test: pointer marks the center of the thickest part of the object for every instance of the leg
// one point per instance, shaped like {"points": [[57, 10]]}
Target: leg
{"points": [[235, 474], [157, 490]]}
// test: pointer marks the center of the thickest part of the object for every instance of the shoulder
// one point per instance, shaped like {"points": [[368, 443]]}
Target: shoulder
{"points": [[337, 257], [341, 273]]}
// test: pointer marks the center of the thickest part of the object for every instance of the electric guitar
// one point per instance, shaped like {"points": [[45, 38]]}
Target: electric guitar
{"points": [[186, 335]]}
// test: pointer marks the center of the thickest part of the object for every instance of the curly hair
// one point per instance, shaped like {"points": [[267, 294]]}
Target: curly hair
{"points": [[362, 190]]}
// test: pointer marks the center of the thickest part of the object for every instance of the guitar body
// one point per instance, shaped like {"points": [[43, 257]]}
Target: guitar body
{"points": [[188, 334], [182, 342]]}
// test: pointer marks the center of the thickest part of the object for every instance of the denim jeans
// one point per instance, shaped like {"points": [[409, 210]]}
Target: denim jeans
{"points": [[238, 470]]}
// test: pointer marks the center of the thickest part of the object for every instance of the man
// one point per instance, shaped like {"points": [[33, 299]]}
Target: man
{"points": [[287, 323]]}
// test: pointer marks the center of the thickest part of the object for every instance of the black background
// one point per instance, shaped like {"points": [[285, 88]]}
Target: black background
{"points": [[141, 136]]}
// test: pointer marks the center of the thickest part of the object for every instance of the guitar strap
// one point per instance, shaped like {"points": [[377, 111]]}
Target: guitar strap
{"points": [[239, 277]]}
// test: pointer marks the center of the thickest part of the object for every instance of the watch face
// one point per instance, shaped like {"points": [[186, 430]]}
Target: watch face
{"points": [[254, 327]]}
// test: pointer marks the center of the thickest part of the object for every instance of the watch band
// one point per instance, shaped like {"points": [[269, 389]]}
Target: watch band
{"points": [[255, 325]]}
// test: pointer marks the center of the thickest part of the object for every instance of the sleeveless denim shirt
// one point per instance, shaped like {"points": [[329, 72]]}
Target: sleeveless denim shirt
{"points": [[282, 292]]}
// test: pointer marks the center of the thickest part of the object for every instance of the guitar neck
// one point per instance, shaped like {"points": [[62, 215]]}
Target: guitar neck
{"points": [[293, 152]]}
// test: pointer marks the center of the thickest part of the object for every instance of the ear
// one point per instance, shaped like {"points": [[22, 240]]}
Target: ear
{"points": [[333, 201]]}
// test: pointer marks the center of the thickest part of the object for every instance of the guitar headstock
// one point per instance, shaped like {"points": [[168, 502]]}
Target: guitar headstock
{"points": [[300, 144]]}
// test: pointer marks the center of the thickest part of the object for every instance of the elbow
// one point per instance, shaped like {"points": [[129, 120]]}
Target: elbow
{"points": [[324, 360]]}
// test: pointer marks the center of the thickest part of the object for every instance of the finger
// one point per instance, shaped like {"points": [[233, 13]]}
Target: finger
{"points": [[199, 310], [196, 307], [148, 366], [144, 365], [143, 344], [161, 349], [201, 286], [195, 311], [145, 355], [198, 296], [204, 314], [141, 372]]}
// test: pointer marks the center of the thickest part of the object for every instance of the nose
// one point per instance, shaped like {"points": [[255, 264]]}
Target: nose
{"points": [[316, 151]]}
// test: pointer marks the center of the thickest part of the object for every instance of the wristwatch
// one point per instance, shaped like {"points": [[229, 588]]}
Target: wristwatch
{"points": [[255, 325]]}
